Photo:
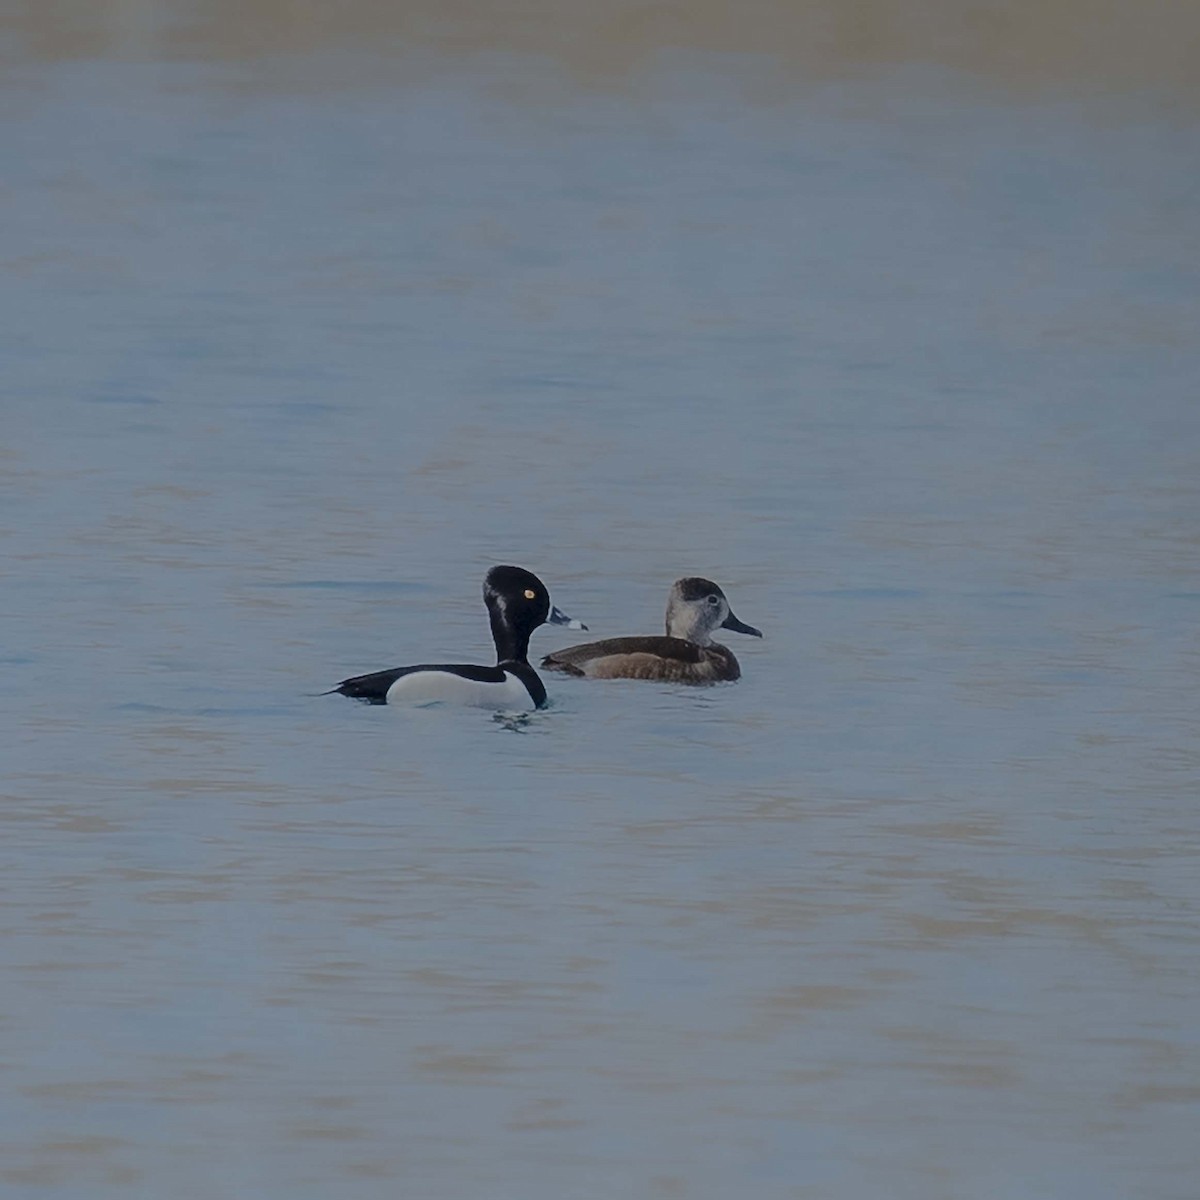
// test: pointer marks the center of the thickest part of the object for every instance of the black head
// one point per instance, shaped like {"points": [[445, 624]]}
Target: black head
{"points": [[517, 603]]}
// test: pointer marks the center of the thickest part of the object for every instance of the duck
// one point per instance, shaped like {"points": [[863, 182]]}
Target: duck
{"points": [[695, 608], [517, 602]]}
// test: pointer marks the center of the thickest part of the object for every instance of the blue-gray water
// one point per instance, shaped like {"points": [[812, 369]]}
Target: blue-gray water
{"points": [[909, 367]]}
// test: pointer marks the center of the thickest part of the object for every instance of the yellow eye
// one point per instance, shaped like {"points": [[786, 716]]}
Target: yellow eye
{"points": [[529, 595]]}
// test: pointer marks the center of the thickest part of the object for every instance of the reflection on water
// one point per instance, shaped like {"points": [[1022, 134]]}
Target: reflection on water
{"points": [[910, 911], [1064, 45]]}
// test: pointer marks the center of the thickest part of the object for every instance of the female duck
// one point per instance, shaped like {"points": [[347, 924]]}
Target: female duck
{"points": [[686, 655], [517, 603]]}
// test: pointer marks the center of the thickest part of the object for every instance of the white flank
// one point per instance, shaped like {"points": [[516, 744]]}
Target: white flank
{"points": [[432, 687]]}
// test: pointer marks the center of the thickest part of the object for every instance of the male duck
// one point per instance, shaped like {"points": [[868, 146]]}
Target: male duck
{"points": [[517, 603], [687, 654]]}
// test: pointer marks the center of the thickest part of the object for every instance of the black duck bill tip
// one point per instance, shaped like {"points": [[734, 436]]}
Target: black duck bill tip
{"points": [[558, 617], [731, 622]]}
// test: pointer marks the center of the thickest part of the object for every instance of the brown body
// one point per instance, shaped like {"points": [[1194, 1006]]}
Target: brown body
{"points": [[695, 608], [671, 660]]}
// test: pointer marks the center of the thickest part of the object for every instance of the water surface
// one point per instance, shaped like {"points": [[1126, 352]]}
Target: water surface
{"points": [[908, 366]]}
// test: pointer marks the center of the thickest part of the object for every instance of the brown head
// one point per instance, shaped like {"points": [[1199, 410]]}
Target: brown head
{"points": [[697, 607]]}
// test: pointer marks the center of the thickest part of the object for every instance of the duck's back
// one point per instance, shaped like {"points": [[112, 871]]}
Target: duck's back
{"points": [[671, 660], [511, 686]]}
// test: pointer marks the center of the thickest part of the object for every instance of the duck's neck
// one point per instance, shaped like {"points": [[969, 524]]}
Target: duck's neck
{"points": [[683, 624], [511, 645]]}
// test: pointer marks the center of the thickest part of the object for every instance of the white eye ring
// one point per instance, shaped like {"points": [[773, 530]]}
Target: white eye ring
{"points": [[714, 599]]}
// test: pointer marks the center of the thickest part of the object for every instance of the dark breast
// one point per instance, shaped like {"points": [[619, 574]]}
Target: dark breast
{"points": [[667, 659]]}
